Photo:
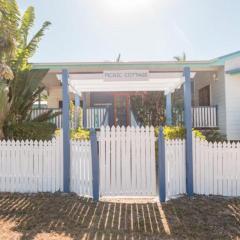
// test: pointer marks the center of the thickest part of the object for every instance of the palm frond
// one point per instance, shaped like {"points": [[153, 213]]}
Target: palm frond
{"points": [[33, 44], [181, 58], [9, 21], [24, 54], [26, 24], [24, 91]]}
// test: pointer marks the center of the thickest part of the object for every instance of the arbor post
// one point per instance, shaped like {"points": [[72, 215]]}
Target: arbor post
{"points": [[188, 126], [66, 137], [161, 166]]}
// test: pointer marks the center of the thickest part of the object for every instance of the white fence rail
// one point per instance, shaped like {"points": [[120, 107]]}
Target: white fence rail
{"points": [[127, 161], [31, 166], [216, 168], [81, 168], [175, 168]]}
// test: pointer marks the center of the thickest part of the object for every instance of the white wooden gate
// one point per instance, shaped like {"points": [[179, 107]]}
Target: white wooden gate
{"points": [[127, 161], [175, 168], [81, 168]]}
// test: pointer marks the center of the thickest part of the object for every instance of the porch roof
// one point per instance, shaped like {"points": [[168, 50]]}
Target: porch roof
{"points": [[125, 81]]}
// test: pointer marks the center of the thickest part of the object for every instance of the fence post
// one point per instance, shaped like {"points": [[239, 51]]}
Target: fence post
{"points": [[95, 165], [161, 166]]}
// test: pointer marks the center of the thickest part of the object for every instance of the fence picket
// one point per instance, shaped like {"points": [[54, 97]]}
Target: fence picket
{"points": [[175, 167], [216, 168], [81, 168]]}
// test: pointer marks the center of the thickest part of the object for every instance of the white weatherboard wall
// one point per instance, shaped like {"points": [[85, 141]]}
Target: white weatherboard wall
{"points": [[81, 168], [127, 161], [175, 167], [233, 106], [232, 91], [218, 98], [31, 166], [216, 168]]}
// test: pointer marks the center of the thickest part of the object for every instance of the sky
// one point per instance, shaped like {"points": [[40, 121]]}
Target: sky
{"points": [[141, 30]]}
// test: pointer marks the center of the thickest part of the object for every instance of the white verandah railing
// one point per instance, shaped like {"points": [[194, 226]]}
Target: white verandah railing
{"points": [[202, 117], [56, 120], [97, 117]]}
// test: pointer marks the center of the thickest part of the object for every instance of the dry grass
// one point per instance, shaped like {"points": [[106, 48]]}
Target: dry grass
{"points": [[65, 217]]}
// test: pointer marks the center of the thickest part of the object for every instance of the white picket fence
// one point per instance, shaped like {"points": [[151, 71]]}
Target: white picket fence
{"points": [[175, 168], [216, 168], [127, 165], [81, 168], [31, 166], [127, 161], [37, 166]]}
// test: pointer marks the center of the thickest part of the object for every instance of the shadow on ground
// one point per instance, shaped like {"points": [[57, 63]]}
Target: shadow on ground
{"points": [[57, 216]]}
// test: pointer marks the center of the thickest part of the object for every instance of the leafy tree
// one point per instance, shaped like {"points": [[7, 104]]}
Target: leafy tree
{"points": [[148, 109]]}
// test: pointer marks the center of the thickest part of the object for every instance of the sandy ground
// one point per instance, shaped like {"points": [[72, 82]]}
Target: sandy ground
{"points": [[66, 217]]}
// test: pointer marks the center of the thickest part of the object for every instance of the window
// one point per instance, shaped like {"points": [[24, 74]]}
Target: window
{"points": [[60, 104], [204, 96]]}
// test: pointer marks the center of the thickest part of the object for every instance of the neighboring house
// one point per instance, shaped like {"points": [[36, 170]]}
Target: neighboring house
{"points": [[215, 92]]}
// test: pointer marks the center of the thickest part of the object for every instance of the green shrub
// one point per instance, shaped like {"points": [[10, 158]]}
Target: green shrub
{"points": [[80, 134], [213, 135], [176, 132], [30, 131]]}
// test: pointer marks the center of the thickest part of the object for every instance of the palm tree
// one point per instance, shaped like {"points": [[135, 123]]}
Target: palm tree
{"points": [[9, 16], [27, 83], [118, 57], [182, 58], [20, 86]]}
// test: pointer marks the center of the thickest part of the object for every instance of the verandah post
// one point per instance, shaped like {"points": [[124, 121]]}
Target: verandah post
{"points": [[66, 136], [77, 106], [161, 166], [84, 110], [169, 109], [188, 126], [95, 164]]}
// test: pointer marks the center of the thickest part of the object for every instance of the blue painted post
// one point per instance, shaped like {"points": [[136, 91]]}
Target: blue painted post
{"points": [[169, 109], [77, 105], [188, 126], [95, 164], [161, 166], [66, 137], [84, 111]]}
